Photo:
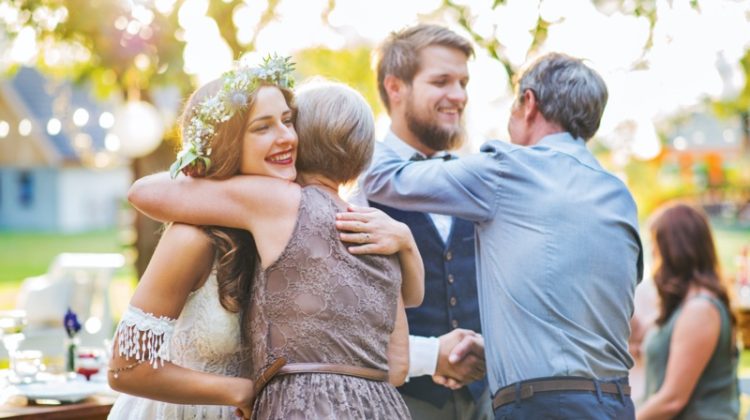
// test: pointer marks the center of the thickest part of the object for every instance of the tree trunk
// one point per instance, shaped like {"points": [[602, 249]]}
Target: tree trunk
{"points": [[148, 231]]}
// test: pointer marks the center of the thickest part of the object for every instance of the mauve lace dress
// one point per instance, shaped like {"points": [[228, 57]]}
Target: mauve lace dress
{"points": [[320, 304]]}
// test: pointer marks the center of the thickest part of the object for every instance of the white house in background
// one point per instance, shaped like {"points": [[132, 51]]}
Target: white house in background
{"points": [[49, 179]]}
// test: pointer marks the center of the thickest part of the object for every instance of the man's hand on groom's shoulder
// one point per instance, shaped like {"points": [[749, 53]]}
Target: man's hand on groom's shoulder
{"points": [[460, 359]]}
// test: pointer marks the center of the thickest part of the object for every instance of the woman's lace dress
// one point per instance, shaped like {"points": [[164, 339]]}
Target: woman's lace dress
{"points": [[319, 303], [205, 337]]}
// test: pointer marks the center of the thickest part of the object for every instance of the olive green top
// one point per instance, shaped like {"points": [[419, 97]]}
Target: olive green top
{"points": [[716, 394]]}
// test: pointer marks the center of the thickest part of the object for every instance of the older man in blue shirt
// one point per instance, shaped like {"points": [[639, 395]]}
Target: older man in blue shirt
{"points": [[559, 253]]}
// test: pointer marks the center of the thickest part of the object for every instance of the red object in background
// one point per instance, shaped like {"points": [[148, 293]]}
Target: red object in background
{"points": [[87, 372], [88, 365]]}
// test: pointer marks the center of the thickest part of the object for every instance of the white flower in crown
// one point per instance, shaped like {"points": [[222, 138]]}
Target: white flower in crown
{"points": [[238, 100], [213, 109], [196, 131]]}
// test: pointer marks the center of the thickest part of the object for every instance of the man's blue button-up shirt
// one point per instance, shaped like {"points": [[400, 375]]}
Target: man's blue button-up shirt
{"points": [[558, 251]]}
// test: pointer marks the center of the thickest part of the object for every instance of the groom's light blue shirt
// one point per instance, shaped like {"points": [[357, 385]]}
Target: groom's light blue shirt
{"points": [[558, 251]]}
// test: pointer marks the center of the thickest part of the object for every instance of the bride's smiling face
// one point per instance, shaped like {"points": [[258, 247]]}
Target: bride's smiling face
{"points": [[269, 143]]}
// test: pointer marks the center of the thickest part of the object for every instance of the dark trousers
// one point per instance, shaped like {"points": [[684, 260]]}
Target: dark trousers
{"points": [[460, 406], [569, 405]]}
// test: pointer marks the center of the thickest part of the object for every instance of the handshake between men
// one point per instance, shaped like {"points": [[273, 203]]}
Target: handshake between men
{"points": [[461, 359]]}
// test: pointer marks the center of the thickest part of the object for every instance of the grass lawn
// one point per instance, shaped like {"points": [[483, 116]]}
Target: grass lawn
{"points": [[30, 254]]}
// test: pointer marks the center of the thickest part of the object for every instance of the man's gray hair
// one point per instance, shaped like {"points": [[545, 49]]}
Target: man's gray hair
{"points": [[568, 92]]}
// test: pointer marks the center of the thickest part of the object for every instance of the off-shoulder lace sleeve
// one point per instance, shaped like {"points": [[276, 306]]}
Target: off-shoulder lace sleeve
{"points": [[144, 336]]}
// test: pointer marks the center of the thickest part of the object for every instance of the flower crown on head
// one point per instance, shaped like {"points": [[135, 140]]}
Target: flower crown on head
{"points": [[238, 84]]}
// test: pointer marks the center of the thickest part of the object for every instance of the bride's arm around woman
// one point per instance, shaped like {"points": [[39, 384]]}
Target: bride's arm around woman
{"points": [[141, 364]]}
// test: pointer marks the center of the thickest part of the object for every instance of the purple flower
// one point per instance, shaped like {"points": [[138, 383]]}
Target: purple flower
{"points": [[72, 326]]}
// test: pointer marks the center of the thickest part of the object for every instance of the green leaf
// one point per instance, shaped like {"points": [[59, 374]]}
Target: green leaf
{"points": [[174, 169], [183, 161]]}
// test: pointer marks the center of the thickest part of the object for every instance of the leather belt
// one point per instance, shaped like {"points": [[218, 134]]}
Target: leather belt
{"points": [[360, 372], [264, 378], [528, 388], [280, 367]]}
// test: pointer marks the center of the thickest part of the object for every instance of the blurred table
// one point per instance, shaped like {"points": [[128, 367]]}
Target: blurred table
{"points": [[51, 396], [92, 408]]}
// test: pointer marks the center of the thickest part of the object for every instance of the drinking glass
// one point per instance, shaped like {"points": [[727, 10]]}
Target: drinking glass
{"points": [[27, 364], [89, 361], [12, 324]]}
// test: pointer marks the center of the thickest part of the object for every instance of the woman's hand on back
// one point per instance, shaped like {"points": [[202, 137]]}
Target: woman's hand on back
{"points": [[371, 231]]}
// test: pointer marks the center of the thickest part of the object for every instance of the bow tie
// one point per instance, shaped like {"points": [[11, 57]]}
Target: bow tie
{"points": [[418, 156]]}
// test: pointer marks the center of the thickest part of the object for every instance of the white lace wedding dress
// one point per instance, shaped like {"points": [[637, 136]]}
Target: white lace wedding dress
{"points": [[205, 337]]}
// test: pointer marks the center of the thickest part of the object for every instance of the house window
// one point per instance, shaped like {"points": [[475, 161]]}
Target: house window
{"points": [[25, 189]]}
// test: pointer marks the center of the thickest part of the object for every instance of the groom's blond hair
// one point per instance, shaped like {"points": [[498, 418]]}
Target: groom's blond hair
{"points": [[398, 55]]}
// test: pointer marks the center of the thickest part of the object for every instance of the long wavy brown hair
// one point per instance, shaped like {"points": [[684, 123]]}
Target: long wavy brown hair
{"points": [[236, 252], [684, 256]]}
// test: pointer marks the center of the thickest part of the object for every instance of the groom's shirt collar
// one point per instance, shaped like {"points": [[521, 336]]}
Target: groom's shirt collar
{"points": [[406, 151]]}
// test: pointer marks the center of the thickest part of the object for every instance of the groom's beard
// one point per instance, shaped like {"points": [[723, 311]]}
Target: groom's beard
{"points": [[430, 134]]}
